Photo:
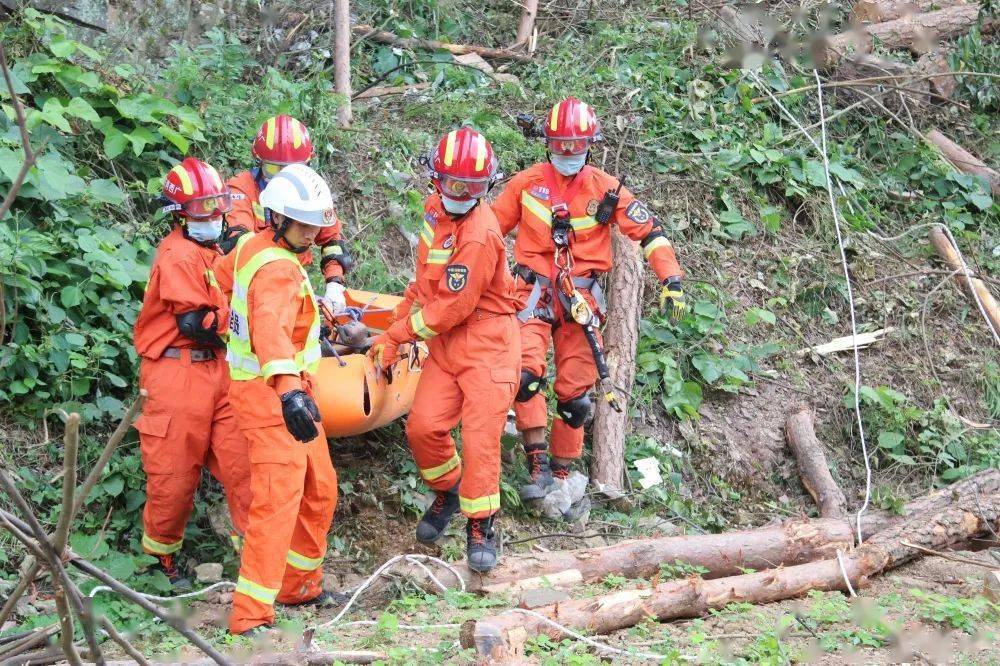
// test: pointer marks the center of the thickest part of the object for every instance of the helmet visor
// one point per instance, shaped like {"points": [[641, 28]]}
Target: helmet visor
{"points": [[210, 206], [464, 189], [568, 146]]}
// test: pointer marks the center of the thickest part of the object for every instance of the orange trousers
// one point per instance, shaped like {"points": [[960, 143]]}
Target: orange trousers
{"points": [[187, 423], [470, 377], [576, 374], [294, 496]]}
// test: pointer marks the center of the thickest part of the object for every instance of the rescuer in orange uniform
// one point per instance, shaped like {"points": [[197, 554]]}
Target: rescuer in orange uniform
{"points": [[273, 352], [187, 422], [462, 302], [283, 140], [564, 210]]}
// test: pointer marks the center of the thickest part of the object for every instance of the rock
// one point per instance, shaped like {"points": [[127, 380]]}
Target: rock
{"points": [[991, 586], [209, 572], [544, 596], [908, 582], [656, 525], [44, 606]]}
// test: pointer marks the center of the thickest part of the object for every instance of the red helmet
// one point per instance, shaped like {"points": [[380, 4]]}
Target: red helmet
{"points": [[282, 140], [195, 190], [571, 127], [463, 166]]}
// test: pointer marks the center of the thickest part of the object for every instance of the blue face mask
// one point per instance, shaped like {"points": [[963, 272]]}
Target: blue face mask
{"points": [[456, 207], [568, 165], [204, 232]]}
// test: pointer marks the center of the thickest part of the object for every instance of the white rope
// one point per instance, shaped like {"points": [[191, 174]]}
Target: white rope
{"points": [[590, 641], [821, 149], [407, 627], [850, 298], [152, 597], [843, 570], [412, 559]]}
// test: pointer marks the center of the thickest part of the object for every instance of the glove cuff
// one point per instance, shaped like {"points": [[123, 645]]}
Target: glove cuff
{"points": [[672, 280], [400, 332]]}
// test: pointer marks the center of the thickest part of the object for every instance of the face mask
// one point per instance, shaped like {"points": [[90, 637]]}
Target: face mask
{"points": [[204, 232], [456, 207], [568, 165]]}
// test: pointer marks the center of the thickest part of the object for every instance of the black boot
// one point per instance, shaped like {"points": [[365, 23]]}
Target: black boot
{"points": [[537, 459], [178, 582], [559, 471], [437, 516], [481, 544]]}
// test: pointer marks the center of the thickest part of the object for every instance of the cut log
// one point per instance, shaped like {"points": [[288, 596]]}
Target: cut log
{"points": [[342, 59], [936, 63], [793, 542], [963, 160], [621, 336], [919, 33], [502, 636], [384, 37], [813, 468], [393, 90], [947, 252], [878, 11]]}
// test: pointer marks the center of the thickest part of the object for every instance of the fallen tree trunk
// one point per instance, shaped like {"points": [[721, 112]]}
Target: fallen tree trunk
{"points": [[527, 24], [935, 65], [947, 252], [392, 39], [919, 33], [342, 60], [503, 636], [727, 554], [813, 468], [963, 160], [878, 11]]}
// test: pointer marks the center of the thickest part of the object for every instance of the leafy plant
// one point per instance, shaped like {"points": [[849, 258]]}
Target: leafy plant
{"points": [[964, 614]]}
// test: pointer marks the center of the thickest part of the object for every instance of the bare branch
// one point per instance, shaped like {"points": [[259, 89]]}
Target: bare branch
{"points": [[71, 440], [29, 155]]}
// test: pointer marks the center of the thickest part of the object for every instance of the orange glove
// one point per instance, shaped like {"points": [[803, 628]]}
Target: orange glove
{"points": [[384, 351], [385, 347]]}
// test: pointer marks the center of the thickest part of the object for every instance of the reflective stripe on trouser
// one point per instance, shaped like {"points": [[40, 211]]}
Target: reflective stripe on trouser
{"points": [[469, 377], [182, 430], [575, 374], [294, 496]]}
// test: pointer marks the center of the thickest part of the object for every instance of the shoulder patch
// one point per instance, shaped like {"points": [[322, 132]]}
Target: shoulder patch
{"points": [[457, 277], [638, 213]]}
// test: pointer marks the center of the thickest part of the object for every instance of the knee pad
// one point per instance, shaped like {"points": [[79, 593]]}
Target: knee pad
{"points": [[531, 384], [574, 411]]}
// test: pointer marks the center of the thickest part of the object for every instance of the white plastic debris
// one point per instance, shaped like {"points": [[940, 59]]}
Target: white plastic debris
{"points": [[563, 494], [649, 468]]}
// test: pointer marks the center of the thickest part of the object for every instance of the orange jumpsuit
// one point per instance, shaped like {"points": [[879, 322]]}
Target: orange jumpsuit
{"points": [[462, 302], [294, 484], [525, 203], [187, 422], [249, 214]]}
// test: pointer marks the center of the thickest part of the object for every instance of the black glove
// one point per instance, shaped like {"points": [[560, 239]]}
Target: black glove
{"points": [[300, 414], [229, 238]]}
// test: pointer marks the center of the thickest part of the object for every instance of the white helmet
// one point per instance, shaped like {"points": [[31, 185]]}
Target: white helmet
{"points": [[298, 192]]}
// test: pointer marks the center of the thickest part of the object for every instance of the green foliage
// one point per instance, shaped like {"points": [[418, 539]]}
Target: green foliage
{"points": [[678, 361], [680, 570], [908, 435], [972, 53], [964, 614]]}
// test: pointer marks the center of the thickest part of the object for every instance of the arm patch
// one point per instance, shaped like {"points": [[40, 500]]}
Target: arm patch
{"points": [[638, 213], [457, 277]]}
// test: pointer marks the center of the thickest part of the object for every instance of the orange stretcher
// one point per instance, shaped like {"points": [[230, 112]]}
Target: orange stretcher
{"points": [[351, 393]]}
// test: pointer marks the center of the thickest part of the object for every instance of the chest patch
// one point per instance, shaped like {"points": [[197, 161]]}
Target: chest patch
{"points": [[457, 277], [448, 242], [638, 213], [592, 207], [539, 192]]}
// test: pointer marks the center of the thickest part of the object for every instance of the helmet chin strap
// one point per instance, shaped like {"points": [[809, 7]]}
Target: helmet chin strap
{"points": [[279, 235]]}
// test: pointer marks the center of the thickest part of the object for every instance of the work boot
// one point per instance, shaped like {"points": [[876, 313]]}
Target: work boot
{"points": [[322, 600], [559, 471], [437, 516], [178, 582], [481, 544], [537, 459]]}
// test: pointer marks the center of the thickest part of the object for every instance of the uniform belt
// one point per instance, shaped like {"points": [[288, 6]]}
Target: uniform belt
{"points": [[541, 283], [196, 355]]}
